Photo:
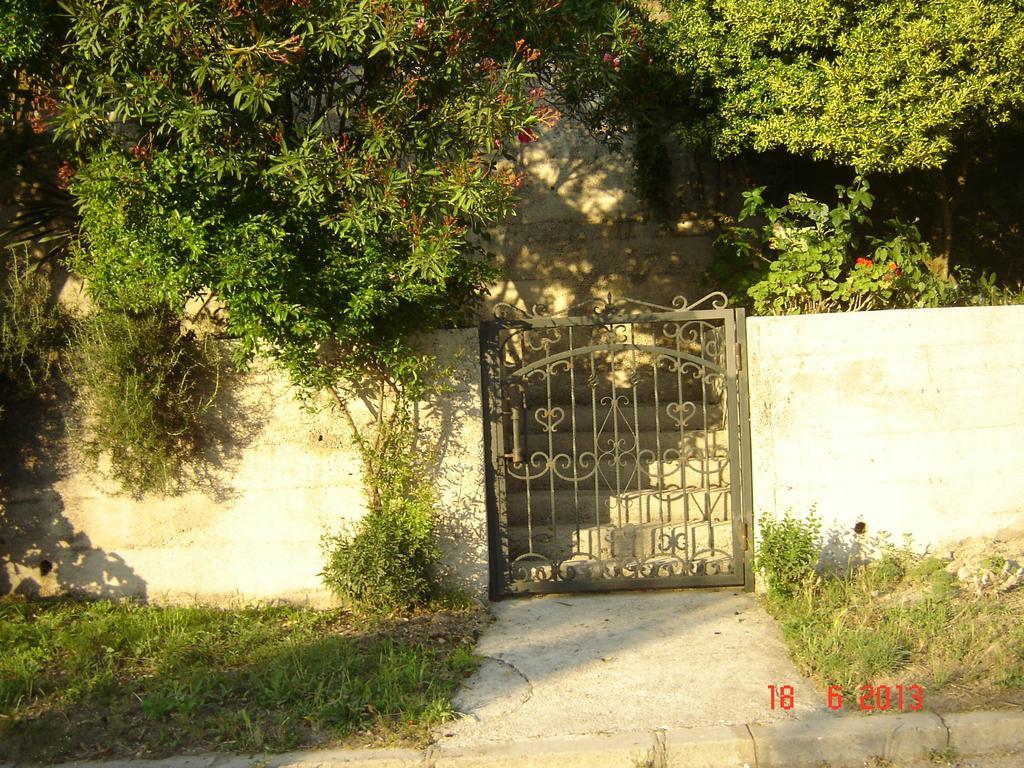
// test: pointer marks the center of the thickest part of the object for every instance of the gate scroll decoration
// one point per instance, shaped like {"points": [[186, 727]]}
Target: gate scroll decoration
{"points": [[617, 446]]}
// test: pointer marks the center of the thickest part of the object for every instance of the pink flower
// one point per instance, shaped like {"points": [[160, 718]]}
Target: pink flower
{"points": [[607, 58]]}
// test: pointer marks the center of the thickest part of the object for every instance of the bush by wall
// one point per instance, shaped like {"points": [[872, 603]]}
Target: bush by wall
{"points": [[808, 256], [788, 552], [144, 389], [387, 563], [32, 331]]}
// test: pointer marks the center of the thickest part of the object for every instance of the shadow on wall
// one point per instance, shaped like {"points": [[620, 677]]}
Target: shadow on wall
{"points": [[845, 549], [43, 555], [231, 426], [581, 231], [449, 429], [53, 505]]}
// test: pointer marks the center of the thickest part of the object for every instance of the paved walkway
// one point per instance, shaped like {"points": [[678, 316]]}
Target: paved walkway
{"points": [[566, 665]]}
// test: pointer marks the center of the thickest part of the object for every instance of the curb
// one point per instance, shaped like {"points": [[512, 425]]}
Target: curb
{"points": [[841, 742]]}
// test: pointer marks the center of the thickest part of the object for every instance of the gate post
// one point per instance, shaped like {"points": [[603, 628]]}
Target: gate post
{"points": [[746, 468]]}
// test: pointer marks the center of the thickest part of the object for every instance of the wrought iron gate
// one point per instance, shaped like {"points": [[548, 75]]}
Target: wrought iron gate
{"points": [[617, 446]]}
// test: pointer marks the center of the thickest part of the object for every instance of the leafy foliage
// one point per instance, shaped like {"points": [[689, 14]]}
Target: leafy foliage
{"points": [[32, 331], [387, 564], [29, 30], [808, 256], [886, 85], [984, 291], [321, 167], [787, 552], [144, 389]]}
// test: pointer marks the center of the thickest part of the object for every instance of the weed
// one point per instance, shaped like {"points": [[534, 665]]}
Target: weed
{"points": [[32, 330], [994, 562], [939, 756], [788, 552], [901, 619]]}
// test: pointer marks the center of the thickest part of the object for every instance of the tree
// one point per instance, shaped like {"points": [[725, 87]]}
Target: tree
{"points": [[883, 86], [29, 30], [322, 167]]}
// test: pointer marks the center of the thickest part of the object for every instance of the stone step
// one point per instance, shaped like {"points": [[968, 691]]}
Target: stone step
{"points": [[644, 417], [599, 393], [562, 439], [709, 540], [621, 476], [588, 508]]}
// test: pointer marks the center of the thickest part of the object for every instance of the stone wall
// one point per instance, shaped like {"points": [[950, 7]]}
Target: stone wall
{"points": [[581, 232], [908, 421]]}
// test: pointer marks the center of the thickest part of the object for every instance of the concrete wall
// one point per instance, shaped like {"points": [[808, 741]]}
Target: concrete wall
{"points": [[251, 528], [909, 421]]}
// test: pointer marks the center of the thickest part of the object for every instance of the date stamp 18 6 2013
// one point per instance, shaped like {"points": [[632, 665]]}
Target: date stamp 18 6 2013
{"points": [[881, 698]]}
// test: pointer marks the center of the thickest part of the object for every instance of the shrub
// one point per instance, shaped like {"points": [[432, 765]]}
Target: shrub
{"points": [[144, 390], [387, 563], [806, 256], [33, 331], [809, 257], [788, 552]]}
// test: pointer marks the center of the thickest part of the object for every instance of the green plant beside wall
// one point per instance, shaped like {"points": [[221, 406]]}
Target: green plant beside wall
{"points": [[33, 331], [788, 552], [144, 389], [386, 564], [807, 256]]}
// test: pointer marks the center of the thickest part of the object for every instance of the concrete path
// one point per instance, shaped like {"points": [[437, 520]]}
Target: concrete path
{"points": [[567, 665]]}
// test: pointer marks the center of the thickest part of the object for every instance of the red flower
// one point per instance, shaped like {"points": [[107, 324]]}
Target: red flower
{"points": [[526, 136], [862, 262], [895, 268]]}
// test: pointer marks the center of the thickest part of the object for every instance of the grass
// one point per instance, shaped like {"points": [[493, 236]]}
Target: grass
{"points": [[904, 620], [104, 679]]}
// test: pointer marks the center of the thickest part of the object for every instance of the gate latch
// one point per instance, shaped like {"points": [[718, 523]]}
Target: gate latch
{"points": [[518, 434]]}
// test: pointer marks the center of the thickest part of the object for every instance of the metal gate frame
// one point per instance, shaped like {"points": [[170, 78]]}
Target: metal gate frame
{"points": [[605, 311]]}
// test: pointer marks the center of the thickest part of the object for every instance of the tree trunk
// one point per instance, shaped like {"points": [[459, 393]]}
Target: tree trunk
{"points": [[939, 265], [948, 197]]}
